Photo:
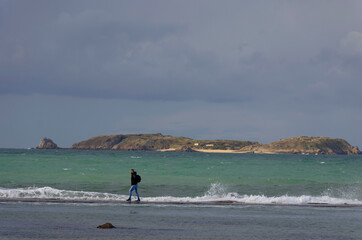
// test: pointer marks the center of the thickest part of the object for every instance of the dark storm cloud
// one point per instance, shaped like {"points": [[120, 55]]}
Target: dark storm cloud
{"points": [[252, 70], [166, 50]]}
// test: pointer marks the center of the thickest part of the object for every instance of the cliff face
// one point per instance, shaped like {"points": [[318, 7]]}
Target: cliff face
{"points": [[47, 143], [309, 145]]}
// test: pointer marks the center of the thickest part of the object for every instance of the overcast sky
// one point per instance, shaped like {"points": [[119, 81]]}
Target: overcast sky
{"points": [[247, 70]]}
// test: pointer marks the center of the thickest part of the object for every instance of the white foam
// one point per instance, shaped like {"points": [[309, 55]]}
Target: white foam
{"points": [[53, 193], [216, 194], [260, 199]]}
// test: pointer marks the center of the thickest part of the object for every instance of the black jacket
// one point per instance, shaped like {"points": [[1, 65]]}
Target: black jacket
{"points": [[133, 178]]}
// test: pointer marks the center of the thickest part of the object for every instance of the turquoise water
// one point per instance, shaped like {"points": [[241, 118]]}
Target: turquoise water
{"points": [[250, 178], [65, 194]]}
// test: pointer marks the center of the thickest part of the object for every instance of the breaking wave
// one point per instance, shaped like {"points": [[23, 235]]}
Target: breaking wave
{"points": [[217, 194], [53, 193]]}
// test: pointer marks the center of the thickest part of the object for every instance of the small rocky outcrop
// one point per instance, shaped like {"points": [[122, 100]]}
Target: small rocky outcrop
{"points": [[185, 149], [106, 225], [47, 143]]}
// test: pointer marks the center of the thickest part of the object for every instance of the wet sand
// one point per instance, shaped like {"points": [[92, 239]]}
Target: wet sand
{"points": [[41, 220]]}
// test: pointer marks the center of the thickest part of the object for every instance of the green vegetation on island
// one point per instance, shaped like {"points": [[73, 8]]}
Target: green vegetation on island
{"points": [[159, 142], [309, 145], [156, 142]]}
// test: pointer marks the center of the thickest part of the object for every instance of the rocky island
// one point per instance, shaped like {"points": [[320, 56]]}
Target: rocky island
{"points": [[47, 143], [159, 142], [309, 145]]}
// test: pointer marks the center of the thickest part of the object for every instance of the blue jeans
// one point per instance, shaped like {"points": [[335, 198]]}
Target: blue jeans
{"points": [[133, 188]]}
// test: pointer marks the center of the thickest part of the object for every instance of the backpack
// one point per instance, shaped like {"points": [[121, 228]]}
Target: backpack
{"points": [[138, 178]]}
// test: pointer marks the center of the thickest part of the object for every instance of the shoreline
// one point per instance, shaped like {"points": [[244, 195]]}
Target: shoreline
{"points": [[206, 203], [24, 221], [281, 152], [221, 151], [206, 150], [238, 151]]}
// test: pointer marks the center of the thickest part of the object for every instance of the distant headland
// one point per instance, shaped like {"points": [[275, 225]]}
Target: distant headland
{"points": [[159, 142]]}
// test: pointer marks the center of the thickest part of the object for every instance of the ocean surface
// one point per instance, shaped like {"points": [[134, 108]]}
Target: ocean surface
{"points": [[65, 194]]}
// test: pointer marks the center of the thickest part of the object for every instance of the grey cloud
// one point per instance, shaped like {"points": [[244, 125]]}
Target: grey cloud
{"points": [[236, 51], [256, 70], [352, 43]]}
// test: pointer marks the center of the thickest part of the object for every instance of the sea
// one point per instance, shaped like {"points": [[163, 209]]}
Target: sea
{"points": [[66, 194]]}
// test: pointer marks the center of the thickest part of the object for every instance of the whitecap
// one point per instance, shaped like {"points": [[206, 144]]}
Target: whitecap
{"points": [[217, 194]]}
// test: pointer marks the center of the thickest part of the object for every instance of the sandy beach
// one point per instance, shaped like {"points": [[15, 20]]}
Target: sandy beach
{"points": [[132, 221], [207, 150]]}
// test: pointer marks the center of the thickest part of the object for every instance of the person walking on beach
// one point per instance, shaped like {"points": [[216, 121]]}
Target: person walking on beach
{"points": [[135, 179]]}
